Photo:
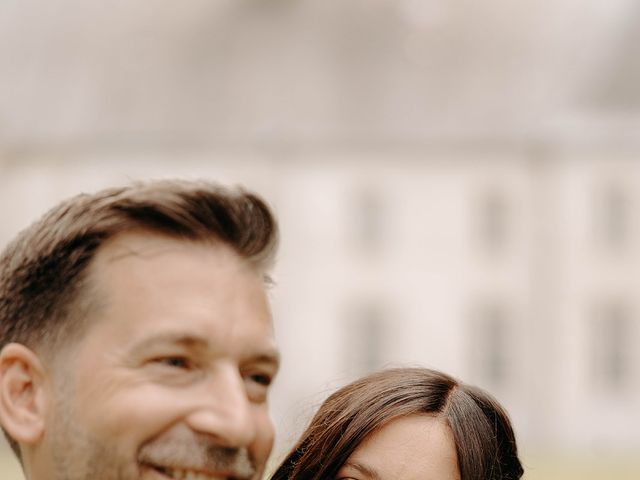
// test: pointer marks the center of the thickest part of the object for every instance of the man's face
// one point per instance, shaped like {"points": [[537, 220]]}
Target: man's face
{"points": [[171, 378]]}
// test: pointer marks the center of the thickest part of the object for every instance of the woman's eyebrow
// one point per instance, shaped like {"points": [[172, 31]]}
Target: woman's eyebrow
{"points": [[267, 356], [364, 469]]}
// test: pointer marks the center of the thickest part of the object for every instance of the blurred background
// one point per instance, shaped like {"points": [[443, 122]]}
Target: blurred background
{"points": [[457, 183]]}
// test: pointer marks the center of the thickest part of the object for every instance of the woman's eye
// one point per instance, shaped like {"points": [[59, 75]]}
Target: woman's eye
{"points": [[261, 379]]}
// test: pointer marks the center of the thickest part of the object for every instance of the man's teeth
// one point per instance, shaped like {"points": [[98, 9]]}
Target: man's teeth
{"points": [[180, 474]]}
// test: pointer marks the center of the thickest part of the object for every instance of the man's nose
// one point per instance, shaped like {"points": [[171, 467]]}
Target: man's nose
{"points": [[225, 411]]}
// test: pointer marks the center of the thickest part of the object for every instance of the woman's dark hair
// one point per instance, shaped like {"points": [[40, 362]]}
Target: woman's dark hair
{"points": [[483, 436]]}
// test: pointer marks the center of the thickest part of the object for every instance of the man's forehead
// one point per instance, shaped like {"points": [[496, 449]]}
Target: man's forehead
{"points": [[147, 245]]}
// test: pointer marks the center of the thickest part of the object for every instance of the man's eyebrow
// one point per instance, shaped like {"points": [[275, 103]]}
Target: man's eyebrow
{"points": [[365, 470], [183, 339], [188, 340]]}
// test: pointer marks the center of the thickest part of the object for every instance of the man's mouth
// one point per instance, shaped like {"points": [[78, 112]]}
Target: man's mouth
{"points": [[189, 474]]}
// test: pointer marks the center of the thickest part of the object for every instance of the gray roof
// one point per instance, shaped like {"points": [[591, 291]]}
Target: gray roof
{"points": [[75, 71]]}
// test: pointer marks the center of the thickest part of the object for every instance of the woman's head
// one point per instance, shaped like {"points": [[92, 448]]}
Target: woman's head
{"points": [[476, 426]]}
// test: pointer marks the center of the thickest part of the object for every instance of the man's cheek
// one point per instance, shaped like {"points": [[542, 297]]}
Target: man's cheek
{"points": [[264, 439]]}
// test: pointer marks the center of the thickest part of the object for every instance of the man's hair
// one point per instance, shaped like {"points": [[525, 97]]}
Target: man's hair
{"points": [[44, 269], [483, 436]]}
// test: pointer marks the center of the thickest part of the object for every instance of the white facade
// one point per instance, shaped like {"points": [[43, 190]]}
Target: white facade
{"points": [[495, 269], [513, 273], [456, 181]]}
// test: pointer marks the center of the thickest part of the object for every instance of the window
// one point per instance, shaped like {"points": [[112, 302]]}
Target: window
{"points": [[367, 221], [366, 330], [613, 217], [493, 219], [489, 346], [611, 346]]}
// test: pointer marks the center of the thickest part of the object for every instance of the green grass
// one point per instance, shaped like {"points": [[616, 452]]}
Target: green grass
{"points": [[9, 466], [623, 467]]}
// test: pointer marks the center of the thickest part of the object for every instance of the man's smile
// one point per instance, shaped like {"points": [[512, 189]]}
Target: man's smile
{"points": [[178, 473]]}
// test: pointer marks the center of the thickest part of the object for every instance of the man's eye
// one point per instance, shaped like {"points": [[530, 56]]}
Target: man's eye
{"points": [[175, 362]]}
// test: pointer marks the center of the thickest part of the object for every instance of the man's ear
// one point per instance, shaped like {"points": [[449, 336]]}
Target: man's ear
{"points": [[23, 393]]}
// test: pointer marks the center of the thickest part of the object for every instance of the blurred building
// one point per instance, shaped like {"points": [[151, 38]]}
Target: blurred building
{"points": [[457, 182], [513, 271]]}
